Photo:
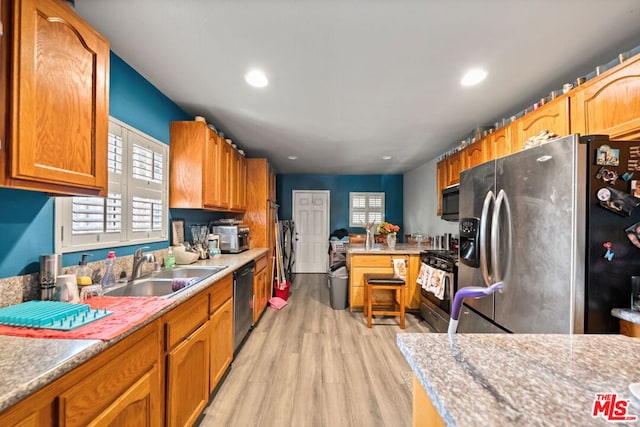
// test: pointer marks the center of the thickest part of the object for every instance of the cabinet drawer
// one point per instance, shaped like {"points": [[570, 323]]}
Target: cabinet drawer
{"points": [[371, 260], [186, 318], [261, 263], [221, 291], [95, 392]]}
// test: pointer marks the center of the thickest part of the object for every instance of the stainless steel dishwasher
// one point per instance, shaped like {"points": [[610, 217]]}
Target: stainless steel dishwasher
{"points": [[242, 303]]}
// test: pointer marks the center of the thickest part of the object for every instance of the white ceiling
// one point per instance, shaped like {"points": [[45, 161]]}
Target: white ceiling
{"points": [[354, 80]]}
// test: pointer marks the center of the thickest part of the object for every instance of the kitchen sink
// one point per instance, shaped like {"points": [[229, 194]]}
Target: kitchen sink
{"points": [[160, 284], [183, 272]]}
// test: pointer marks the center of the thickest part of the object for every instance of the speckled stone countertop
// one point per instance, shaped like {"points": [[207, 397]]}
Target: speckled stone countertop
{"points": [[28, 364], [627, 314], [382, 249], [522, 379]]}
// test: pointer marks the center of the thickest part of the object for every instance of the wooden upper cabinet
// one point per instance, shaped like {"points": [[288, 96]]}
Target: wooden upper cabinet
{"points": [[454, 166], [441, 179], [502, 141], [59, 101], [203, 171], [609, 104], [238, 181], [473, 155], [553, 117]]}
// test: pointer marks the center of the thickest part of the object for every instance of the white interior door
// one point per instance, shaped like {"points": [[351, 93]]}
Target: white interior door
{"points": [[311, 216]]}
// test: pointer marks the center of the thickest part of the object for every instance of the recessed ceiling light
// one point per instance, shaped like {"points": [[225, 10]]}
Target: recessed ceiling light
{"points": [[256, 78], [473, 77], [292, 157], [386, 157]]}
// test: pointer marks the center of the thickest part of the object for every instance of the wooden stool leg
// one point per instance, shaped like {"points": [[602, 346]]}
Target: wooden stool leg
{"points": [[402, 307], [369, 305]]}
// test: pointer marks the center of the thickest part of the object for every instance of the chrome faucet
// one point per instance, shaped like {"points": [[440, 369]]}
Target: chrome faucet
{"points": [[138, 258]]}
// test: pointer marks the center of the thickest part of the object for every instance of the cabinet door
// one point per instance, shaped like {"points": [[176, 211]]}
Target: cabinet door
{"points": [[441, 177], [454, 166], [553, 117], [188, 378], [224, 173], [473, 155], [221, 342], [501, 140], [211, 186], [4, 84], [134, 407], [261, 293], [237, 179], [59, 102], [609, 104]]}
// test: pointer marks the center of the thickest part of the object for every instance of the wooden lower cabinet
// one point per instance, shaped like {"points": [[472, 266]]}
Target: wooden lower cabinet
{"points": [[424, 413], [383, 264], [221, 325], [629, 329], [221, 343], [120, 386], [188, 378], [261, 288], [135, 407], [187, 342]]}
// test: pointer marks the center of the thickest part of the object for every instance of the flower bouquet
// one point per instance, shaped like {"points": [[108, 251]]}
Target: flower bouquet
{"points": [[387, 228]]}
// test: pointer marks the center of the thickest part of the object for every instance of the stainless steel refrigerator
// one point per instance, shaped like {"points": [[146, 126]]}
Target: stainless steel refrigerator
{"points": [[552, 223]]}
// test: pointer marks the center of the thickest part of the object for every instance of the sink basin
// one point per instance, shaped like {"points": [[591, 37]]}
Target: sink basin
{"points": [[143, 288], [160, 284], [182, 272]]}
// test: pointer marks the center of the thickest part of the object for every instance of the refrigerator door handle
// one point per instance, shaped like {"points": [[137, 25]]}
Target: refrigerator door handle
{"points": [[484, 238], [496, 264]]}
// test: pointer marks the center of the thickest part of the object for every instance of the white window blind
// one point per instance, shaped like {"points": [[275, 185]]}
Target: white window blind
{"points": [[136, 207], [365, 207]]}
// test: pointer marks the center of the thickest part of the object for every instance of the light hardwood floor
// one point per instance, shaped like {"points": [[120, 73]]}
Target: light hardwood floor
{"points": [[310, 365]]}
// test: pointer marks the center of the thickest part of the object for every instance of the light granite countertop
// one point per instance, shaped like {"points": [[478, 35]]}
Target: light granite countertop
{"points": [[382, 249], [28, 364], [627, 314], [522, 379]]}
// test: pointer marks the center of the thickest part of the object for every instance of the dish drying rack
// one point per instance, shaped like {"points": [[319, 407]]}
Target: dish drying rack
{"points": [[63, 316]]}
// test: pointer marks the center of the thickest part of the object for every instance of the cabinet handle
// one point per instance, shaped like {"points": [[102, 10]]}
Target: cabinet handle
{"points": [[1, 29]]}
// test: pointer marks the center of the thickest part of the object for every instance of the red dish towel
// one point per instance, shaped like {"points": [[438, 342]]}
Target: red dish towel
{"points": [[127, 313]]}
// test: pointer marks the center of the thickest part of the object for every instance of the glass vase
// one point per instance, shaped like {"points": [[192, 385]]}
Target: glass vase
{"points": [[391, 241]]}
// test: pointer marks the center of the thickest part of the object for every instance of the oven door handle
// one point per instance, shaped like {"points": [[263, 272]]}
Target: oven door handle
{"points": [[484, 238]]}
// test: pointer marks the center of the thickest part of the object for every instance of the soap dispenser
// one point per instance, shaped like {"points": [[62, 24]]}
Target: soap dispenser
{"points": [[84, 274]]}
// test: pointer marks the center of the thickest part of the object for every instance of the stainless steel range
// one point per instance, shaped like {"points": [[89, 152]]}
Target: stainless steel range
{"points": [[435, 311]]}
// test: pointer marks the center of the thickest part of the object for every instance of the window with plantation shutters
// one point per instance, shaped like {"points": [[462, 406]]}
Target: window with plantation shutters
{"points": [[136, 207], [365, 207]]}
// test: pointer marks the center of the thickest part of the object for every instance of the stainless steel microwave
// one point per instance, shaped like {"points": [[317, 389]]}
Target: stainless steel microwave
{"points": [[450, 203]]}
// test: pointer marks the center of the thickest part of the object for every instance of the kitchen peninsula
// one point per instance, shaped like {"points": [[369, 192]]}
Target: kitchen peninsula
{"points": [[519, 379], [380, 260]]}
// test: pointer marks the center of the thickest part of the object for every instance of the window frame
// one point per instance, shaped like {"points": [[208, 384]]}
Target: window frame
{"points": [[129, 187], [367, 209]]}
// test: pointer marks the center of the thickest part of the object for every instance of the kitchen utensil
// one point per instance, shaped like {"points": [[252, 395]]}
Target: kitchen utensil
{"points": [[199, 234]]}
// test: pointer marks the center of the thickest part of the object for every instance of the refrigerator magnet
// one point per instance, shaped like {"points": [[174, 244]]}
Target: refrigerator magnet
{"points": [[608, 255], [607, 156]]}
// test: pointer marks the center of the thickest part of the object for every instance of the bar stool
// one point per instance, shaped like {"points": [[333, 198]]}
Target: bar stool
{"points": [[374, 282]]}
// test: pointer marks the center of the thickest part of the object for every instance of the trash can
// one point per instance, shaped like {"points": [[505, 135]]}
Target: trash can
{"points": [[338, 281]]}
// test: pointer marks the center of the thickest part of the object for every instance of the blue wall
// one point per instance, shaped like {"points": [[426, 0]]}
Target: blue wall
{"points": [[27, 217], [340, 186]]}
